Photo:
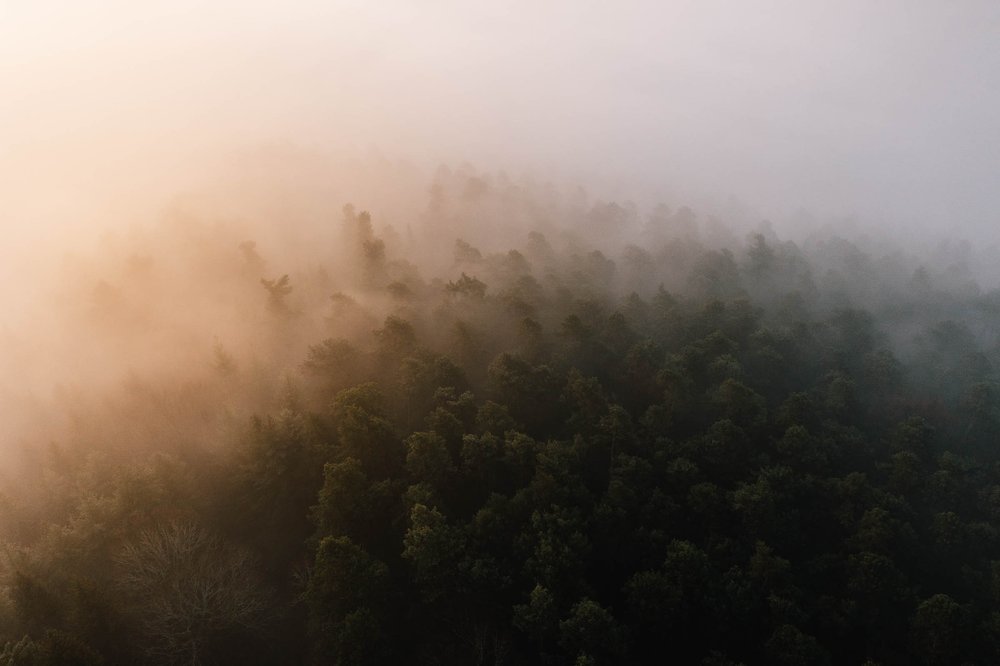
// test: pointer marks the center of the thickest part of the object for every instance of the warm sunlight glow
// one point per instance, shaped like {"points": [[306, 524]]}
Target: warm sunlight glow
{"points": [[540, 332]]}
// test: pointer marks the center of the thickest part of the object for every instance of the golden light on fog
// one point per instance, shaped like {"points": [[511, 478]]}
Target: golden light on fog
{"points": [[499, 332]]}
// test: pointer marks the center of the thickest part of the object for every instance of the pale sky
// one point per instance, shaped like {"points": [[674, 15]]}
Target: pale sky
{"points": [[884, 109]]}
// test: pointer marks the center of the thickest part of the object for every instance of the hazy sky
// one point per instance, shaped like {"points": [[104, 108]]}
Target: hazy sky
{"points": [[887, 109]]}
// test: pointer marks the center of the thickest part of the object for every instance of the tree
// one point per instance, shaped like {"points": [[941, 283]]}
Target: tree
{"points": [[591, 631], [526, 391], [539, 617], [790, 646], [468, 287], [364, 432], [433, 549], [396, 339], [428, 460], [54, 648], [279, 475], [348, 596], [351, 505], [277, 293], [937, 630], [338, 363], [196, 597]]}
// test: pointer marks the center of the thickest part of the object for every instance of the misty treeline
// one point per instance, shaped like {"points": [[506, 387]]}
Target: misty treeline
{"points": [[518, 427]]}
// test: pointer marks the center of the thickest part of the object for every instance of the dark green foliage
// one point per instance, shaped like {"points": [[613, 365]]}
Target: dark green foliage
{"points": [[337, 363], [279, 477], [363, 431], [527, 390], [348, 598], [682, 455]]}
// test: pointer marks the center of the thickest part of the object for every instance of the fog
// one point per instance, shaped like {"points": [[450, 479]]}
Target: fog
{"points": [[884, 111], [300, 299], [870, 118]]}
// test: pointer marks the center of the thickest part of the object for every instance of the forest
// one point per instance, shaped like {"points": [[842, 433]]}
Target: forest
{"points": [[517, 426]]}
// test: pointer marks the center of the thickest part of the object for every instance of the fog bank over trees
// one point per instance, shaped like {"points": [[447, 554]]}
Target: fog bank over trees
{"points": [[555, 334], [488, 419], [145, 295]]}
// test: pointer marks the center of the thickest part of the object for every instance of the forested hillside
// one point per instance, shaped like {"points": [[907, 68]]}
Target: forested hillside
{"points": [[516, 428]]}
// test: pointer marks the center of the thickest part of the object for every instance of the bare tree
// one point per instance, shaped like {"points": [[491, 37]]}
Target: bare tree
{"points": [[188, 589]]}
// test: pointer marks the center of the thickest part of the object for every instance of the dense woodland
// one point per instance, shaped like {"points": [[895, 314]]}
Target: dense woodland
{"points": [[568, 433]]}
